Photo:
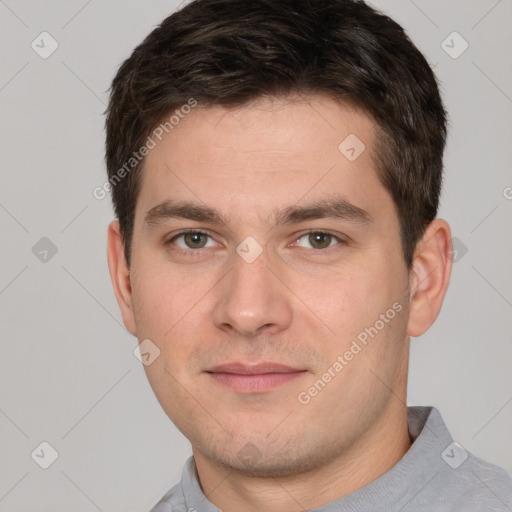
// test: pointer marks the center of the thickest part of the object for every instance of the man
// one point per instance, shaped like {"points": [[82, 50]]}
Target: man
{"points": [[275, 169]]}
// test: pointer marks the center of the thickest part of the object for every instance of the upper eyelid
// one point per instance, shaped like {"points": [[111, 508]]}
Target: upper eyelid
{"points": [[341, 240], [186, 231], [322, 231]]}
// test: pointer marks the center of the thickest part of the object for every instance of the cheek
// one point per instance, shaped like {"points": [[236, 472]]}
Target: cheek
{"points": [[153, 306], [343, 298], [349, 302], [162, 298], [164, 310], [169, 308]]}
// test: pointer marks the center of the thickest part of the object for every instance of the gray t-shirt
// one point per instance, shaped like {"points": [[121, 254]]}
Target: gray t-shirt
{"points": [[435, 475]]}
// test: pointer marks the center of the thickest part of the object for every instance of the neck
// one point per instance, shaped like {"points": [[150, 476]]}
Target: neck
{"points": [[374, 454]]}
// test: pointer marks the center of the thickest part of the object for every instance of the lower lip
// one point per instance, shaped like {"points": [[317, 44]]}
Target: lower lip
{"points": [[257, 383]]}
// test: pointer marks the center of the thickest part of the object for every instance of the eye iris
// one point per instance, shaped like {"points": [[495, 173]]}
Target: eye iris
{"points": [[320, 240], [194, 240]]}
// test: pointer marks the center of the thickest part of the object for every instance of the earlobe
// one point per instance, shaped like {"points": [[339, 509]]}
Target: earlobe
{"points": [[120, 275], [430, 276]]}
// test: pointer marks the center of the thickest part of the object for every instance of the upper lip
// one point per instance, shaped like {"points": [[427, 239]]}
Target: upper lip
{"points": [[253, 369]]}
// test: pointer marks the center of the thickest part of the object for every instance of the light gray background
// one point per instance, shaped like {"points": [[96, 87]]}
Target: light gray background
{"points": [[68, 375]]}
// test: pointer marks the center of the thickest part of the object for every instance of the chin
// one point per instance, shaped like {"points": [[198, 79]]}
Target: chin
{"points": [[269, 462]]}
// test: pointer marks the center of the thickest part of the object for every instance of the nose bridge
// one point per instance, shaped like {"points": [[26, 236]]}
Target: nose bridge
{"points": [[252, 297]]}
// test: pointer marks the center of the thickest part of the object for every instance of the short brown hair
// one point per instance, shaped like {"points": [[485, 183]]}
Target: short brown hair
{"points": [[229, 52]]}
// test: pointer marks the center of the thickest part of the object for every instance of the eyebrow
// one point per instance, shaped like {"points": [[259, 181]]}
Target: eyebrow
{"points": [[337, 208], [183, 210]]}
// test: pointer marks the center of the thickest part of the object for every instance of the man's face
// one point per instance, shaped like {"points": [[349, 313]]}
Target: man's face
{"points": [[314, 274]]}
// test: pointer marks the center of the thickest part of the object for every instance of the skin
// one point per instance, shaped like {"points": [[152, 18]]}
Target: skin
{"points": [[295, 305]]}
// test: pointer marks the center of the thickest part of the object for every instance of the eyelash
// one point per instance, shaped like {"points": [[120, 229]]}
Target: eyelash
{"points": [[187, 252], [198, 252], [313, 250]]}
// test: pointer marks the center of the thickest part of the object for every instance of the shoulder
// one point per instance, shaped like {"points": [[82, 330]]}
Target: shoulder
{"points": [[474, 486], [483, 483], [172, 501], [450, 477]]}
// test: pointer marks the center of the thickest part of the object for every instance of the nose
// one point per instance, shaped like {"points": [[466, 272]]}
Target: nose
{"points": [[252, 300]]}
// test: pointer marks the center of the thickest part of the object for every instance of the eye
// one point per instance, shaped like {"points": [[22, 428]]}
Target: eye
{"points": [[192, 240], [318, 240]]}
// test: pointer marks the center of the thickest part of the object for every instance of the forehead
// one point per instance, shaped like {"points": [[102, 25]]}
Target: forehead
{"points": [[282, 127], [265, 154]]}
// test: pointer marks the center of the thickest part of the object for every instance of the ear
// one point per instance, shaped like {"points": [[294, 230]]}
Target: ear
{"points": [[120, 275], [429, 276]]}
